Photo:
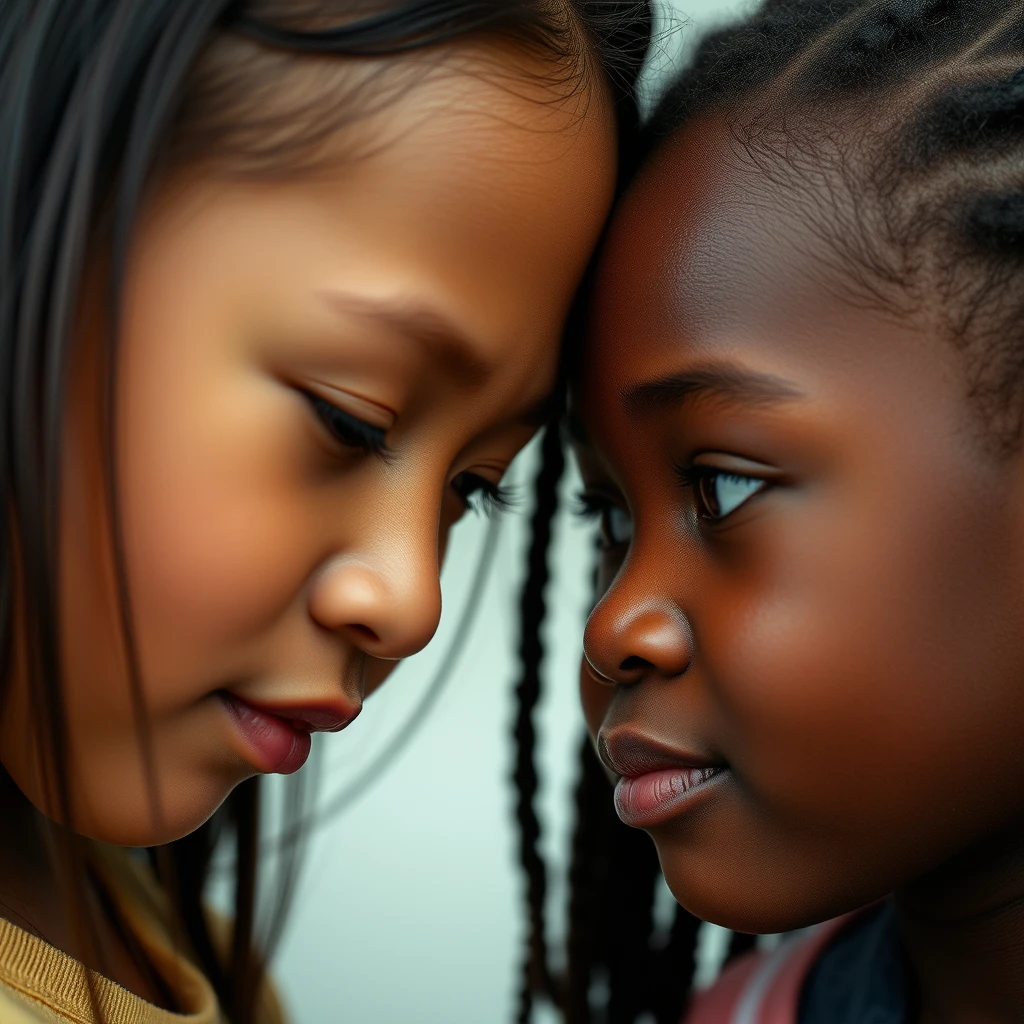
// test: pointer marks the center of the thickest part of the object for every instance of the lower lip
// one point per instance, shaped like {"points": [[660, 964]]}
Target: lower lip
{"points": [[652, 799], [279, 747]]}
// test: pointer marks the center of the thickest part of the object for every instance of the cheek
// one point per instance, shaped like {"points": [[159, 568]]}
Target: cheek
{"points": [[214, 545], [848, 665], [218, 527]]}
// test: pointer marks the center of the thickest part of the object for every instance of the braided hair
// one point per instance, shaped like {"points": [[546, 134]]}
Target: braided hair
{"points": [[904, 121], [911, 112]]}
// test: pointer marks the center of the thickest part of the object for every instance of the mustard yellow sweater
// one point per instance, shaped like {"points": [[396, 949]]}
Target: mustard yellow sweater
{"points": [[40, 983]]}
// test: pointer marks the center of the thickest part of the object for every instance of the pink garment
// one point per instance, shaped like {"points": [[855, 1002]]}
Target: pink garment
{"points": [[764, 988]]}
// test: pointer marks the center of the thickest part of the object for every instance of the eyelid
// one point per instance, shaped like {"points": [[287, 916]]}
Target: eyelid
{"points": [[723, 462], [370, 412]]}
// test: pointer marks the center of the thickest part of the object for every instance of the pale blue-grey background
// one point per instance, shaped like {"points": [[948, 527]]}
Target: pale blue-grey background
{"points": [[409, 907]]}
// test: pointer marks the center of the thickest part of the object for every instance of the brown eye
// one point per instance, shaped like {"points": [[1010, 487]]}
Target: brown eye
{"points": [[720, 494]]}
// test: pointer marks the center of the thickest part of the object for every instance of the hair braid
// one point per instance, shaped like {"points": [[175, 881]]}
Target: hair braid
{"points": [[632, 876], [674, 968], [536, 971], [588, 885], [926, 99]]}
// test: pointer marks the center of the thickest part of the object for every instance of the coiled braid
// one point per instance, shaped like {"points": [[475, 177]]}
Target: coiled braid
{"points": [[536, 973], [923, 154]]}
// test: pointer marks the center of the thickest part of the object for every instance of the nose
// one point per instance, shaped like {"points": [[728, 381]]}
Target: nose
{"points": [[628, 639], [386, 602]]}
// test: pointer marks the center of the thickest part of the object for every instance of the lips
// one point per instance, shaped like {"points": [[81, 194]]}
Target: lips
{"points": [[656, 783], [278, 737]]}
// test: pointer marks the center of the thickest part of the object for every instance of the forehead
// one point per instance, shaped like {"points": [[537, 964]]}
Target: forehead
{"points": [[472, 197], [706, 245], [713, 259]]}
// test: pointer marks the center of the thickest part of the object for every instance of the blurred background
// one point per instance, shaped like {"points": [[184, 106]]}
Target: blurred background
{"points": [[409, 907]]}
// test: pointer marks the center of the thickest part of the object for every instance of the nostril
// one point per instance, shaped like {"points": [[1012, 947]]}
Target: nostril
{"points": [[635, 664], [364, 633]]}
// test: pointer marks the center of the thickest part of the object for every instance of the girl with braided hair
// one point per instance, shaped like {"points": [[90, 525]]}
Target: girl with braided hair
{"points": [[801, 422], [282, 286]]}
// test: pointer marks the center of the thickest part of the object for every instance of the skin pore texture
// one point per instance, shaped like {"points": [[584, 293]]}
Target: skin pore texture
{"points": [[420, 287], [813, 582]]}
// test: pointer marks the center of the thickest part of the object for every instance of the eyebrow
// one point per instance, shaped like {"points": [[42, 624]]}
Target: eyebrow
{"points": [[719, 382], [430, 327]]}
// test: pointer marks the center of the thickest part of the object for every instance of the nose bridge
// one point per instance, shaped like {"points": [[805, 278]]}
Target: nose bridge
{"points": [[640, 627], [382, 587]]}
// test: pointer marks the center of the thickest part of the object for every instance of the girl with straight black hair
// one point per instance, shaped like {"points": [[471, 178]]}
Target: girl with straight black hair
{"points": [[282, 289]]}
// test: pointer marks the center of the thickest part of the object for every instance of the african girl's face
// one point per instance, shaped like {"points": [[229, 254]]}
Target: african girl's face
{"points": [[316, 376], [807, 661]]}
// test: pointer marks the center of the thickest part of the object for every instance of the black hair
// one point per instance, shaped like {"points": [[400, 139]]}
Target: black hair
{"points": [[911, 112], [98, 98]]}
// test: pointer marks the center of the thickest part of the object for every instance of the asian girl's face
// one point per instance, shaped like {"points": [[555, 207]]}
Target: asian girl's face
{"points": [[806, 664], [316, 376]]}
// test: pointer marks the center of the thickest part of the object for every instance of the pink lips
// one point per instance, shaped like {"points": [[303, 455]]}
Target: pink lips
{"points": [[280, 738], [656, 783], [651, 799]]}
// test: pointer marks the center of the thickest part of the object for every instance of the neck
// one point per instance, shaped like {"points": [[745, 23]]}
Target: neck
{"points": [[963, 928]]}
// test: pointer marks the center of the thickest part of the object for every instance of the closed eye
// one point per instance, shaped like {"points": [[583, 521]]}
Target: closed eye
{"points": [[479, 494], [347, 429]]}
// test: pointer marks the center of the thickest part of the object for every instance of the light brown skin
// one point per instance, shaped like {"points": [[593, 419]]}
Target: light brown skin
{"points": [[849, 640], [422, 288]]}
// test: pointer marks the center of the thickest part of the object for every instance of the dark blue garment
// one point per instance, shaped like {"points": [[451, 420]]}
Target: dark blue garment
{"points": [[861, 977]]}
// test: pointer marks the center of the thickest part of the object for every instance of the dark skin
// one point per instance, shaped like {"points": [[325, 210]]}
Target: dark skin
{"points": [[815, 581]]}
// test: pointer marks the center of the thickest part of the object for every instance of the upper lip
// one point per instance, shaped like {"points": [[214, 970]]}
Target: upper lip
{"points": [[631, 754], [330, 715]]}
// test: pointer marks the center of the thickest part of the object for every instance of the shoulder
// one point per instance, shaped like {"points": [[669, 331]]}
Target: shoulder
{"points": [[764, 987]]}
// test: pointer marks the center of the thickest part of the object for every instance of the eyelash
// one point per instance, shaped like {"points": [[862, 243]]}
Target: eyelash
{"points": [[592, 507], [482, 496], [596, 507], [477, 493], [346, 429]]}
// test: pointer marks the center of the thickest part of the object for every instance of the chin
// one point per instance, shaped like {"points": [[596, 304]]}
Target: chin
{"points": [[133, 821], [751, 898]]}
